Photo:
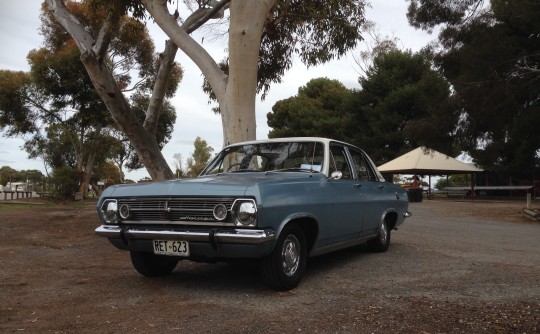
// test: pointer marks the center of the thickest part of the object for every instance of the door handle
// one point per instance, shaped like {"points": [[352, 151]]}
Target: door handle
{"points": [[357, 185], [380, 187]]}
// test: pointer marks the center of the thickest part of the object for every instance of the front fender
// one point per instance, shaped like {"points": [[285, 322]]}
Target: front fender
{"points": [[307, 221]]}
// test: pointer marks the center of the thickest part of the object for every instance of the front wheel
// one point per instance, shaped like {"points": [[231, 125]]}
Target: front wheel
{"points": [[151, 265], [284, 267], [382, 241]]}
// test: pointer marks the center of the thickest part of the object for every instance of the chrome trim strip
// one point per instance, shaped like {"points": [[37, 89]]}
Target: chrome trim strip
{"points": [[407, 214], [341, 245], [240, 236], [177, 222]]}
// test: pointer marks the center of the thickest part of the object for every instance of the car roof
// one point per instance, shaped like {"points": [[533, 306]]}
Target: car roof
{"points": [[292, 139]]}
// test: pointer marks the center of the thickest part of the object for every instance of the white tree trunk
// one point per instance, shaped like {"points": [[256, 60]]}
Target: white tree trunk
{"points": [[236, 93], [238, 107], [216, 78]]}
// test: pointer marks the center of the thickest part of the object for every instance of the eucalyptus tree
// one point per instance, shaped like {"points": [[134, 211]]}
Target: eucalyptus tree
{"points": [[58, 94], [263, 39], [70, 108], [55, 110], [112, 46]]}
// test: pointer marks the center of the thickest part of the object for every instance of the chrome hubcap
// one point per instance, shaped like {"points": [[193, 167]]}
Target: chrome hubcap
{"points": [[290, 255]]}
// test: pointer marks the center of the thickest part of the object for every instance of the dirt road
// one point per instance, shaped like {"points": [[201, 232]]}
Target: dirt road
{"points": [[454, 267]]}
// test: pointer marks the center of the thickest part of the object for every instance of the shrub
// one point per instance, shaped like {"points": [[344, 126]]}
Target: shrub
{"points": [[64, 182]]}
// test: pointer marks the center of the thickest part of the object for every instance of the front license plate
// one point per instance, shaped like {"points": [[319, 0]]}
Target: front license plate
{"points": [[171, 248]]}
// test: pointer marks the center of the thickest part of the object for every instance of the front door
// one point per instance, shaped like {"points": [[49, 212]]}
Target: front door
{"points": [[347, 208]]}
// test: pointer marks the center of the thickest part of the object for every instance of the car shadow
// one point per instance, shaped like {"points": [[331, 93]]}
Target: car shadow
{"points": [[244, 275], [338, 259]]}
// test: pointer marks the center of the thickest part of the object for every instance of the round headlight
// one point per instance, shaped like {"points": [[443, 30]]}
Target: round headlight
{"points": [[220, 212], [109, 210], [124, 211], [246, 214]]}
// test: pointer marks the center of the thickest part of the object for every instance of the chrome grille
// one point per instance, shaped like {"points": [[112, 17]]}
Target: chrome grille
{"points": [[190, 211]]}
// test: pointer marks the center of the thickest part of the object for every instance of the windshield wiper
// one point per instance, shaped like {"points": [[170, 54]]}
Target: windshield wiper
{"points": [[245, 170], [295, 169]]}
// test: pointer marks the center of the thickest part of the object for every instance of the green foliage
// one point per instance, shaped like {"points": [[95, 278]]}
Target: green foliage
{"points": [[8, 174], [315, 31], [453, 180], [106, 172], [164, 128], [55, 148], [61, 77], [492, 59], [426, 14], [64, 182], [199, 158], [14, 109], [319, 109], [145, 179], [58, 95], [406, 104]]}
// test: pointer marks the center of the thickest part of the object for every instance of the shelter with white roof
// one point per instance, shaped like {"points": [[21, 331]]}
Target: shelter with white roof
{"points": [[427, 161]]}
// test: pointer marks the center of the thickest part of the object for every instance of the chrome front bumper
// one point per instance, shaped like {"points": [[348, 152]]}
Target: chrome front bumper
{"points": [[236, 236]]}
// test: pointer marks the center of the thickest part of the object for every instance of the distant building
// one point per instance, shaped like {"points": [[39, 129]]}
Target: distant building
{"points": [[16, 186]]}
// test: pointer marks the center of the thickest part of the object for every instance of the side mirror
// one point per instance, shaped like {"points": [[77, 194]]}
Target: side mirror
{"points": [[336, 175]]}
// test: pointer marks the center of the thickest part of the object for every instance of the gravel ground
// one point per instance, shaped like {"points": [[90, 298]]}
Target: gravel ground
{"points": [[454, 267]]}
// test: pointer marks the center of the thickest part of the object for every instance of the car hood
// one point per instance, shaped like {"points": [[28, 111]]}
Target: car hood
{"points": [[228, 184]]}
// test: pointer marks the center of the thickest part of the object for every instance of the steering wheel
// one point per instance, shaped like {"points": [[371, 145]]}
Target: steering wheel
{"points": [[233, 165]]}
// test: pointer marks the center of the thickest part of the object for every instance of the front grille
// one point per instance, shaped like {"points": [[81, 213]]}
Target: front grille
{"points": [[189, 211]]}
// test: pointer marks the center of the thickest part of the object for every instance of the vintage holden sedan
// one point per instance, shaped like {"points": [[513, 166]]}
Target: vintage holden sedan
{"points": [[279, 201]]}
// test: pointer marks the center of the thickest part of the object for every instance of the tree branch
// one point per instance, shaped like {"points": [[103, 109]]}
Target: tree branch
{"points": [[72, 25], [105, 36], [203, 15], [166, 64], [215, 76]]}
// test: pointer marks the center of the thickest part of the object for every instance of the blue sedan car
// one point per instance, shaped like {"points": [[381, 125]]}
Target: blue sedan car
{"points": [[280, 201]]}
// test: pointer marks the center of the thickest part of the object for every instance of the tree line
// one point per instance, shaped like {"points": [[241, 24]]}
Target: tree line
{"points": [[64, 181], [98, 92], [475, 91]]}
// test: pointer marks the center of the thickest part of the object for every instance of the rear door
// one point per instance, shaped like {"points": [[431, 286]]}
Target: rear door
{"points": [[372, 189]]}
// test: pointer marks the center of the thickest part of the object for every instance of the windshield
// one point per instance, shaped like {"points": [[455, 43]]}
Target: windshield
{"points": [[269, 156]]}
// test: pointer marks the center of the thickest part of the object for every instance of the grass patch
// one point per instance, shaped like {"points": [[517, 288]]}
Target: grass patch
{"points": [[34, 203]]}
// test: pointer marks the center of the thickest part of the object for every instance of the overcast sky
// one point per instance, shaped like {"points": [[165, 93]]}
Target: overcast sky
{"points": [[19, 24]]}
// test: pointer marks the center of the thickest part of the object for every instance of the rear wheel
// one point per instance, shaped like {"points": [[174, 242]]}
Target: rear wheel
{"points": [[152, 265], [284, 267], [382, 241]]}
